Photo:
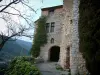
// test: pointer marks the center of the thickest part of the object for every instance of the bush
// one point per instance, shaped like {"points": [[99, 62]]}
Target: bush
{"points": [[25, 58], [40, 37], [58, 67], [21, 66], [89, 34]]}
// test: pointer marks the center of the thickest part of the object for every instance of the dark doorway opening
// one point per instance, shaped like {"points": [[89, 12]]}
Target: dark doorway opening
{"points": [[54, 53], [68, 58]]}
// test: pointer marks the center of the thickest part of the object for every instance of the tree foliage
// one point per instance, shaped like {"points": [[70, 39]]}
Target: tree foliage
{"points": [[22, 66], [89, 34], [40, 36]]}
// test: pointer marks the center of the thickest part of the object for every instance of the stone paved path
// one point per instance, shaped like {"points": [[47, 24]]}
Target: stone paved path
{"points": [[49, 68]]}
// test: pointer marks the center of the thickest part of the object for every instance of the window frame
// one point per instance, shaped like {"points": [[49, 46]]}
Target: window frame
{"points": [[51, 11], [52, 27], [47, 27]]}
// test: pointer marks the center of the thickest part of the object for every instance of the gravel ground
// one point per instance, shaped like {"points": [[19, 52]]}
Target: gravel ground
{"points": [[49, 68]]}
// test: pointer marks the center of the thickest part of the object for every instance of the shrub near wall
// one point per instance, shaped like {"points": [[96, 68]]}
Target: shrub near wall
{"points": [[22, 66], [89, 34], [40, 38]]}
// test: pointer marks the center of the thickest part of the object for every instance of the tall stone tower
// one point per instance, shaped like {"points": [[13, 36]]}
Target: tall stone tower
{"points": [[70, 57]]}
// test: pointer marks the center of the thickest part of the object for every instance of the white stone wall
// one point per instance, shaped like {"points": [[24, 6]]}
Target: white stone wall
{"points": [[77, 63], [75, 40], [57, 17]]}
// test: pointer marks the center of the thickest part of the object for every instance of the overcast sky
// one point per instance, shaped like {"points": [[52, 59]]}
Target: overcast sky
{"points": [[37, 5]]}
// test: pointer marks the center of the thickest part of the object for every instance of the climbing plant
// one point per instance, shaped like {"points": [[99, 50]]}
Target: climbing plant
{"points": [[40, 36], [89, 34]]}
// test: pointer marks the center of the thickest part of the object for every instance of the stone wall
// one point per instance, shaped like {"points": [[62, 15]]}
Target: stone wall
{"points": [[66, 32], [70, 38], [77, 63]]}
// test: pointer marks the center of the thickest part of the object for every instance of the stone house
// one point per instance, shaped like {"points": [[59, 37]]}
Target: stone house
{"points": [[51, 50], [63, 42]]}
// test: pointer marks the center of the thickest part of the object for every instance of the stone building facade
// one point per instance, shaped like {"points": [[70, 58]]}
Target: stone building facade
{"points": [[63, 41], [53, 26]]}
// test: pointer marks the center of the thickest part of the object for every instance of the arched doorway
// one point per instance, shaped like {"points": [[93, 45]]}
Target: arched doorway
{"points": [[54, 53]]}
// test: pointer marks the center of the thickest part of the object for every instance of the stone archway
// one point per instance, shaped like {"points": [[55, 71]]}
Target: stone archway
{"points": [[54, 53]]}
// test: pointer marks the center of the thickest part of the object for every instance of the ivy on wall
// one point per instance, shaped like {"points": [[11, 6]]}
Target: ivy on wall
{"points": [[40, 37], [89, 34]]}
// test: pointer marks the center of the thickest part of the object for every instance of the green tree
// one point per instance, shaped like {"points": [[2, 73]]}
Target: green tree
{"points": [[22, 66], [89, 34], [40, 37]]}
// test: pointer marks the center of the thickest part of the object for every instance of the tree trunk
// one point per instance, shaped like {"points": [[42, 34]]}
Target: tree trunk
{"points": [[2, 45]]}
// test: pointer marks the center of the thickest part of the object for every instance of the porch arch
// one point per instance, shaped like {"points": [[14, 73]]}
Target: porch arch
{"points": [[54, 53]]}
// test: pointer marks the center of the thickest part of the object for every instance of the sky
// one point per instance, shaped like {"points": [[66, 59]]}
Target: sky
{"points": [[37, 5], [46, 3]]}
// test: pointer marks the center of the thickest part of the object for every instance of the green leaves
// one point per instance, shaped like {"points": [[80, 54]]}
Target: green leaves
{"points": [[89, 33], [40, 38], [22, 66]]}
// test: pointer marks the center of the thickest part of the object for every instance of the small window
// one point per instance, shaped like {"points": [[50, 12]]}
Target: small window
{"points": [[71, 21], [52, 40], [51, 11], [47, 27], [52, 27]]}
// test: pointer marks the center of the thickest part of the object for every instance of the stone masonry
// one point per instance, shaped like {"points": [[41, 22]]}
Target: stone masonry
{"points": [[66, 33], [77, 62], [70, 38]]}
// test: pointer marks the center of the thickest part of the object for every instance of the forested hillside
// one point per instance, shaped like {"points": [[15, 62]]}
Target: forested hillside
{"points": [[15, 48]]}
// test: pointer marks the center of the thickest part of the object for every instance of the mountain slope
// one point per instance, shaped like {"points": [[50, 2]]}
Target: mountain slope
{"points": [[25, 44], [15, 48]]}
